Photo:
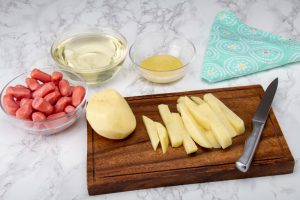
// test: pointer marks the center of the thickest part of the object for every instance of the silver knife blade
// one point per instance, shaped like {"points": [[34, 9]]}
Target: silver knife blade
{"points": [[264, 106], [258, 122]]}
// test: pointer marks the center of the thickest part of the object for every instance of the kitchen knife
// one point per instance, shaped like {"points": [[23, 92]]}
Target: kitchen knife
{"points": [[258, 121]]}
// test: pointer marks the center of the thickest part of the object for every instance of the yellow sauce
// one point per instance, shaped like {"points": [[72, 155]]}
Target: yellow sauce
{"points": [[162, 68], [161, 63]]}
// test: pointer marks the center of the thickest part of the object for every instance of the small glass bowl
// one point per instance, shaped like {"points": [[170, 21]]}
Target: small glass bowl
{"points": [[164, 43], [92, 74], [51, 126]]}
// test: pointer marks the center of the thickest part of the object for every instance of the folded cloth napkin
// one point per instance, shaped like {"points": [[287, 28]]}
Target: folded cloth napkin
{"points": [[236, 49]]}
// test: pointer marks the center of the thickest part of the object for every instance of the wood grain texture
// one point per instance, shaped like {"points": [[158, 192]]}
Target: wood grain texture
{"points": [[131, 163]]}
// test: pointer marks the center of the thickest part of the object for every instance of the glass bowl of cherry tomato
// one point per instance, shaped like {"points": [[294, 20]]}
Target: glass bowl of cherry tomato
{"points": [[44, 101]]}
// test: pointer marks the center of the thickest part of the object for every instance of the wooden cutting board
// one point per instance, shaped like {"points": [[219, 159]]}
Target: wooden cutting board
{"points": [[130, 164]]}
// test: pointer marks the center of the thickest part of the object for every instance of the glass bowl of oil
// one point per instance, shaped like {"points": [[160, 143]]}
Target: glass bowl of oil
{"points": [[162, 57], [96, 56]]}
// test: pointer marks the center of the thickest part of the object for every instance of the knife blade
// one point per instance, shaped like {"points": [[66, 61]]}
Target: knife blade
{"points": [[258, 121]]}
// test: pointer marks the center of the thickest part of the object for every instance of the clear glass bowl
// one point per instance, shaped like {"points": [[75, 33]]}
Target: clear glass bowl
{"points": [[162, 43], [51, 126], [98, 56]]}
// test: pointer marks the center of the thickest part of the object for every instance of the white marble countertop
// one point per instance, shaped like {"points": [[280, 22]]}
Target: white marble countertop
{"points": [[35, 167]]}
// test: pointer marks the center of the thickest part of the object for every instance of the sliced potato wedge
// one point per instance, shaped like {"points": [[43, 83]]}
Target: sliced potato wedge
{"points": [[174, 135], [152, 131], [197, 100], [200, 118], [193, 109], [195, 131], [163, 136], [218, 129], [219, 112], [212, 139], [180, 99], [188, 143], [233, 118]]}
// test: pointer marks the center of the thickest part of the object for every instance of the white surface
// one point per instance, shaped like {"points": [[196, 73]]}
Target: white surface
{"points": [[33, 167]]}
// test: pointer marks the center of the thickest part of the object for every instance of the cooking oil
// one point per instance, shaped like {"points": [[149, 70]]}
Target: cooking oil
{"points": [[95, 56]]}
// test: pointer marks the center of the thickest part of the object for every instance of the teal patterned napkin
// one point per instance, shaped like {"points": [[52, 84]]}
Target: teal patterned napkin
{"points": [[235, 49]]}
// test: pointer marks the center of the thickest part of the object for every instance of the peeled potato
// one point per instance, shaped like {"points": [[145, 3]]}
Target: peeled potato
{"points": [[110, 115]]}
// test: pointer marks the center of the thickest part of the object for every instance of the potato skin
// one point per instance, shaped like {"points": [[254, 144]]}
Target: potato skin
{"points": [[110, 115]]}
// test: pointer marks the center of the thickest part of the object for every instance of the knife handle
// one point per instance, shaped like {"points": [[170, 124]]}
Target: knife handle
{"points": [[245, 160]]}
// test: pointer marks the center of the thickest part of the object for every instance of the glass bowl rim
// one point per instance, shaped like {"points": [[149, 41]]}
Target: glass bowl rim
{"points": [[46, 120], [175, 35], [81, 33]]}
